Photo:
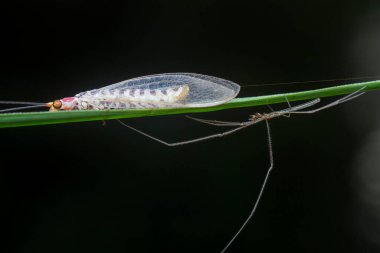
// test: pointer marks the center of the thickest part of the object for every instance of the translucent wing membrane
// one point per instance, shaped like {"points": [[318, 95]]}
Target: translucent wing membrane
{"points": [[166, 90]]}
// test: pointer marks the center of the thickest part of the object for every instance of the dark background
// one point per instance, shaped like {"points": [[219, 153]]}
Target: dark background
{"points": [[86, 187]]}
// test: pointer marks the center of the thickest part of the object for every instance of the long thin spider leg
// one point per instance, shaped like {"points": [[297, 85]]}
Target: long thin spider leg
{"points": [[249, 123], [217, 122], [271, 162], [287, 115], [287, 101], [270, 108], [290, 108], [336, 102]]}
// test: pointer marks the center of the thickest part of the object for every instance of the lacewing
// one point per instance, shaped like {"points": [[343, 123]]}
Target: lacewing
{"points": [[173, 90]]}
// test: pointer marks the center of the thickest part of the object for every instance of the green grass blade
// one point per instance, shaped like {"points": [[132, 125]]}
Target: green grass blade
{"points": [[46, 118]]}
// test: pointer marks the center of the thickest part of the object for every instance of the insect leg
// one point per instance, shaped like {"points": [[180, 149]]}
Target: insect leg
{"points": [[287, 115], [336, 102], [290, 107], [270, 108], [271, 164], [217, 122], [189, 141]]}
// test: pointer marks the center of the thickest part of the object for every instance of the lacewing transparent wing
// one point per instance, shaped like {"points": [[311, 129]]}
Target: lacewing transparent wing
{"points": [[173, 90], [162, 90]]}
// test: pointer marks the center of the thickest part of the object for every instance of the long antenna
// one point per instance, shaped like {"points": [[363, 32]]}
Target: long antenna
{"points": [[20, 103], [313, 81], [22, 107]]}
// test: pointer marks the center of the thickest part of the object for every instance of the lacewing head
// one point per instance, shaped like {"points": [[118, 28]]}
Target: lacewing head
{"points": [[62, 104]]}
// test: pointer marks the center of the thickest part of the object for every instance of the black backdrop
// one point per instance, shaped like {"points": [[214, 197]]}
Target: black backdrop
{"points": [[86, 187]]}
